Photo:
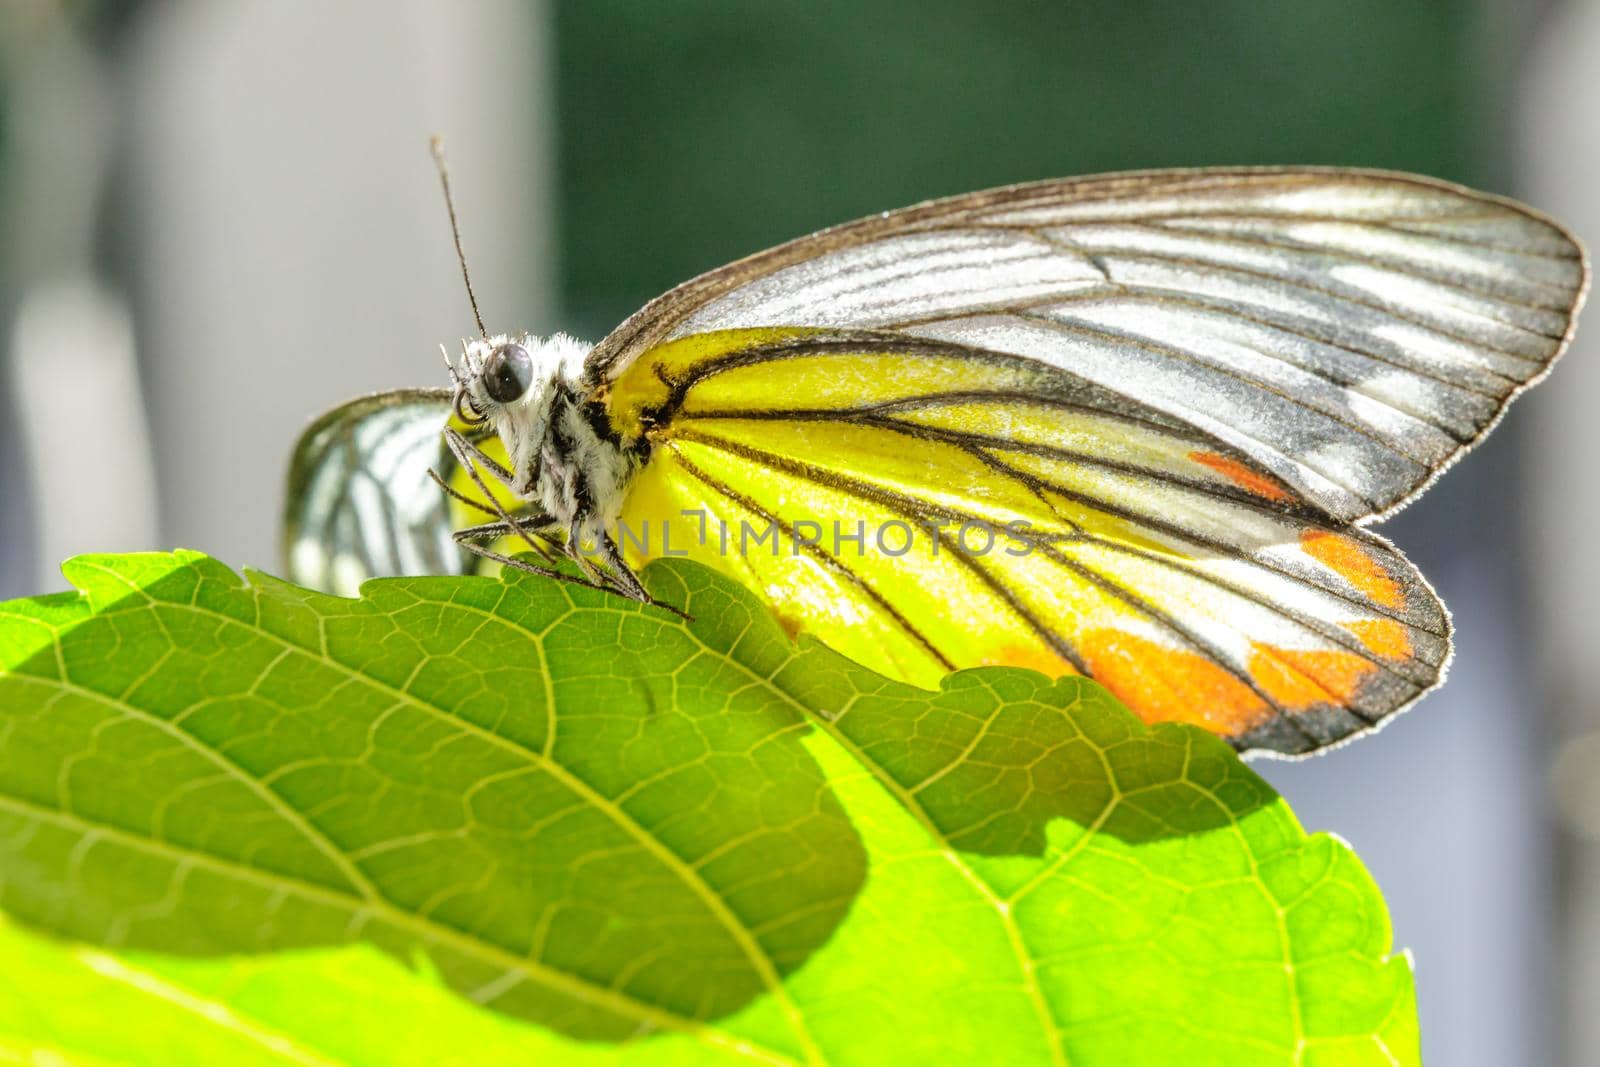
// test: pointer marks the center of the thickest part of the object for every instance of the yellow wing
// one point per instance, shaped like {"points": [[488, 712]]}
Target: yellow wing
{"points": [[983, 511]]}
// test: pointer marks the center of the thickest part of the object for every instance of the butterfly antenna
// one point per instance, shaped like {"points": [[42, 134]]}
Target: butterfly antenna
{"points": [[436, 146]]}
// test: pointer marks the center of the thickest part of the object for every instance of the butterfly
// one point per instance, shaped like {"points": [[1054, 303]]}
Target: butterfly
{"points": [[1131, 427]]}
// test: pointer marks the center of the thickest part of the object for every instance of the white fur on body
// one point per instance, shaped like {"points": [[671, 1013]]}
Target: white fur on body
{"points": [[558, 459]]}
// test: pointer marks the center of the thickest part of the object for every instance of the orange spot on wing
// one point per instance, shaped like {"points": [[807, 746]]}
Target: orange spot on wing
{"points": [[1251, 481], [1162, 684], [1354, 564], [1299, 679], [1384, 636]]}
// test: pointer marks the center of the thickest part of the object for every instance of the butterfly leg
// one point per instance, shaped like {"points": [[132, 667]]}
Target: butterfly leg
{"points": [[472, 539], [581, 558], [476, 539], [525, 519], [469, 454], [470, 457], [627, 581], [615, 573], [620, 581]]}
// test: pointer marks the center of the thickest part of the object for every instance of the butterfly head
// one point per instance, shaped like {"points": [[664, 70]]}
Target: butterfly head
{"points": [[529, 390], [496, 374]]}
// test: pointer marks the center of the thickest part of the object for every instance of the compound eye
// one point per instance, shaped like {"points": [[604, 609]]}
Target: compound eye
{"points": [[507, 373]]}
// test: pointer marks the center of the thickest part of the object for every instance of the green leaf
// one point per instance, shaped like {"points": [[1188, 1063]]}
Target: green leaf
{"points": [[638, 838]]}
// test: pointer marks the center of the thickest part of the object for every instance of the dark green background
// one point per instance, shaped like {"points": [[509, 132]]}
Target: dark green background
{"points": [[694, 132]]}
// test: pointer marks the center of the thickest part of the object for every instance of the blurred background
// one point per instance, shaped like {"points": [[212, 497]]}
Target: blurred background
{"points": [[219, 218]]}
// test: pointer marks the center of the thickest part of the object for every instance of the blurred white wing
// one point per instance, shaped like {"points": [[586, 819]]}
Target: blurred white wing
{"points": [[1351, 331], [360, 503]]}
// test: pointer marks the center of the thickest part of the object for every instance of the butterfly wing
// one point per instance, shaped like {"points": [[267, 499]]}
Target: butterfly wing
{"points": [[360, 503], [1186, 386], [1352, 331]]}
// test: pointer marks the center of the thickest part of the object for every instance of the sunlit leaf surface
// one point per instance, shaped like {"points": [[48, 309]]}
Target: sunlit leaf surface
{"points": [[631, 838]]}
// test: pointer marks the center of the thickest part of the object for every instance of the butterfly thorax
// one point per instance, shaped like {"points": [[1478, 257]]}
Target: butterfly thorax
{"points": [[565, 457]]}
